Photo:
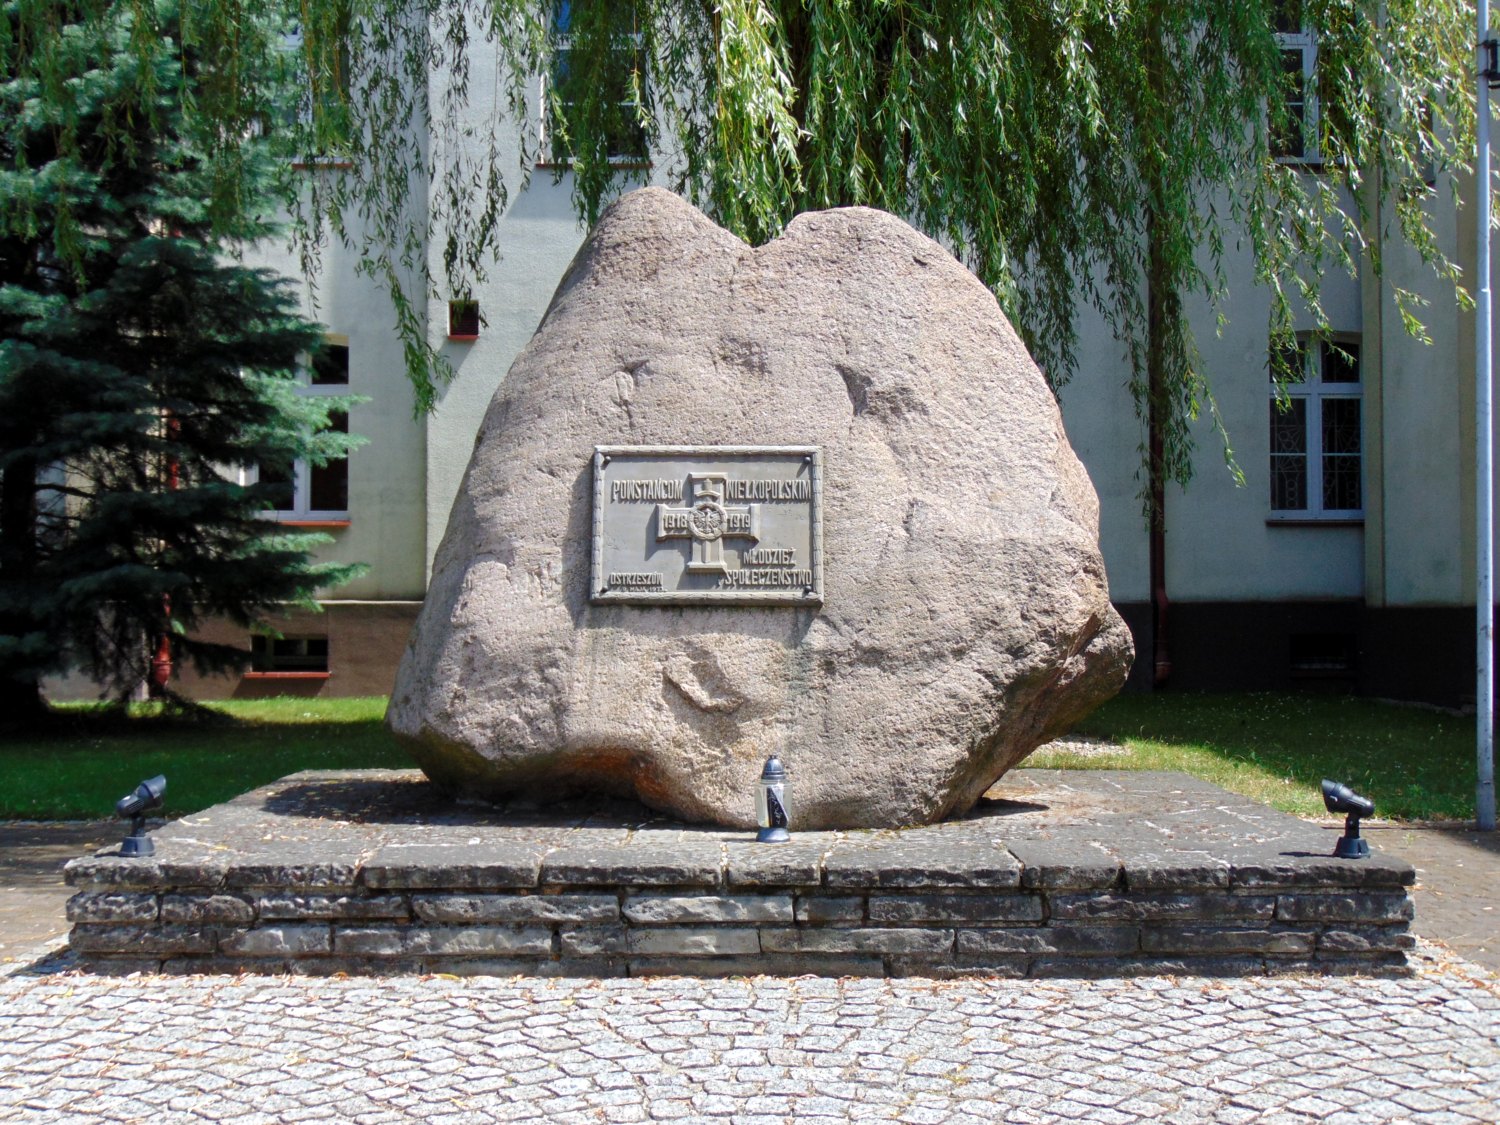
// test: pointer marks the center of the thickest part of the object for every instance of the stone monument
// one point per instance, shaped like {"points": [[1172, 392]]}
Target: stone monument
{"points": [[812, 499]]}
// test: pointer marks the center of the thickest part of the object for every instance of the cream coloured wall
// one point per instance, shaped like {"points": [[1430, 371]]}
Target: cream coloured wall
{"points": [[387, 528], [539, 236], [1220, 544], [1425, 475]]}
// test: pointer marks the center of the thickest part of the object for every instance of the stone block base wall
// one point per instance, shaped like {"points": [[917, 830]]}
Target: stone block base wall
{"points": [[620, 932], [401, 894]]}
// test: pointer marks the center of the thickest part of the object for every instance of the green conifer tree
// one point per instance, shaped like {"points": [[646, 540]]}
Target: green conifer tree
{"points": [[141, 364]]}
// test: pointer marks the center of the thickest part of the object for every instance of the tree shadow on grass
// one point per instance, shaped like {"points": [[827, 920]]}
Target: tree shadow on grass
{"points": [[1415, 763], [78, 769], [115, 720]]}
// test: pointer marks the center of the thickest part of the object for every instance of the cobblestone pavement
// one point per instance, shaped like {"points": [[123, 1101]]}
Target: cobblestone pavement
{"points": [[433, 1049]]}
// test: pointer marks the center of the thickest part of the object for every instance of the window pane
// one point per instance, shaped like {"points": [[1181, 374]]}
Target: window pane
{"points": [[325, 77], [1286, 16], [1340, 363], [288, 654], [1289, 426], [1289, 456], [1341, 454], [281, 499], [330, 367], [1289, 362], [1288, 130], [1341, 425], [611, 110], [627, 139], [328, 486], [1288, 484]]}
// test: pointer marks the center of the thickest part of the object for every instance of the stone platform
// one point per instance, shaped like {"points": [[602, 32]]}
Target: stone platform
{"points": [[1055, 873]]}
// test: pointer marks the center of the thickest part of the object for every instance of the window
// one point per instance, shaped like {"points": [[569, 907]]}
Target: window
{"points": [[570, 96], [1321, 656], [288, 655], [319, 493], [52, 506], [1294, 133], [1317, 458], [463, 320], [323, 104]]}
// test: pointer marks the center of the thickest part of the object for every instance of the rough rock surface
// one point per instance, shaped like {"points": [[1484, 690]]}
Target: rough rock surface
{"points": [[966, 616]]}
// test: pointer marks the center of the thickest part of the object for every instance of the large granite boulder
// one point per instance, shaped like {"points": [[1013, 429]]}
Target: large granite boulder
{"points": [[965, 615]]}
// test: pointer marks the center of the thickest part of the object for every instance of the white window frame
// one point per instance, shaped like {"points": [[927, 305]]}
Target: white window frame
{"points": [[301, 511], [1315, 393], [1305, 42]]}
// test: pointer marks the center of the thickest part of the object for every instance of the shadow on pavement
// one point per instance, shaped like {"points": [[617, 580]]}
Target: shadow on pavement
{"points": [[33, 898], [1457, 895], [33, 854]]}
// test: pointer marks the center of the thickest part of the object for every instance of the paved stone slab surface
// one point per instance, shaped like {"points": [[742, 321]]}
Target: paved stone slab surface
{"points": [[322, 830], [1458, 884], [1347, 1051], [32, 893]]}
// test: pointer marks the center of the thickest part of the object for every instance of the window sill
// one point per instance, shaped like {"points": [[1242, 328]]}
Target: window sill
{"points": [[1311, 163], [462, 338], [286, 675], [323, 164], [311, 523], [1315, 521], [623, 164]]}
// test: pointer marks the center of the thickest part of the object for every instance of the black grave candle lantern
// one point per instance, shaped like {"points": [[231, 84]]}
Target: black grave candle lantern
{"points": [[772, 812]]}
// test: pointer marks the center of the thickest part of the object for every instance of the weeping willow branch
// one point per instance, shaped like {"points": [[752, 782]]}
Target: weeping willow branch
{"points": [[1033, 138]]}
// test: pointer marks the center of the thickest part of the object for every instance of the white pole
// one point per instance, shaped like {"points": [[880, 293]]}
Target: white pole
{"points": [[1484, 533]]}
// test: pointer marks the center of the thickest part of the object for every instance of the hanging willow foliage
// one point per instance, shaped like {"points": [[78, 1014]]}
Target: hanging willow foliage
{"points": [[1071, 152]]}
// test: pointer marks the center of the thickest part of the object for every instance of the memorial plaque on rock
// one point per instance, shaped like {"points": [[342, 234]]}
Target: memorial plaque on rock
{"points": [[708, 525], [810, 499]]}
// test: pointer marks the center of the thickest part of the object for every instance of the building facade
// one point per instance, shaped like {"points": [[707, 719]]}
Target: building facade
{"points": [[1343, 561]]}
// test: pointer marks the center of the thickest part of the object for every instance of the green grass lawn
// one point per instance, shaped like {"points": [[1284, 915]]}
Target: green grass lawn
{"points": [[1416, 764], [92, 759]]}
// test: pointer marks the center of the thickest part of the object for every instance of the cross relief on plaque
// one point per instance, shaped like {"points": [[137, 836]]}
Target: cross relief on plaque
{"points": [[707, 523]]}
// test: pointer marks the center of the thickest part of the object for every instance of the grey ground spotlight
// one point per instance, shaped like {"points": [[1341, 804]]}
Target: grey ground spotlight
{"points": [[147, 796], [1339, 798], [771, 809]]}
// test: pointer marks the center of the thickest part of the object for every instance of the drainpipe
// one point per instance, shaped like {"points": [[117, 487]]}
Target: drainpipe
{"points": [[1156, 456], [160, 671], [1484, 568], [1160, 651]]}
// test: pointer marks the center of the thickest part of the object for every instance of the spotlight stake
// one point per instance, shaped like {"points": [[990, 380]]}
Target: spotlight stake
{"points": [[147, 796], [1339, 798]]}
